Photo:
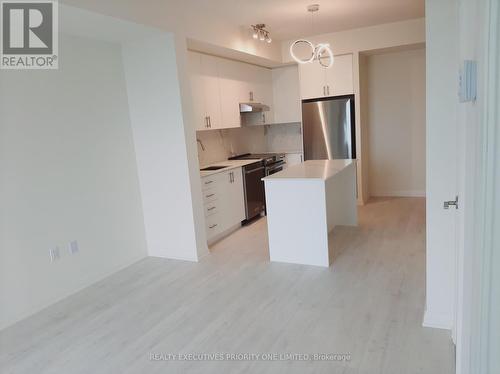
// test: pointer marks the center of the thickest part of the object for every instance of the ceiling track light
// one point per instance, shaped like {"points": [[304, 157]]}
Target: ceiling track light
{"points": [[259, 32]]}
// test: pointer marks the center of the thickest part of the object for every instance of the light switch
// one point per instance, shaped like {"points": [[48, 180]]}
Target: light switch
{"points": [[73, 247], [468, 81]]}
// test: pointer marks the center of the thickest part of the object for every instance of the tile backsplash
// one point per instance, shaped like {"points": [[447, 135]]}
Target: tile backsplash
{"points": [[221, 144]]}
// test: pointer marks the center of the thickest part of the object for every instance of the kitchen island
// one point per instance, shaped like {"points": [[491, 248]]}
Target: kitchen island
{"points": [[304, 204]]}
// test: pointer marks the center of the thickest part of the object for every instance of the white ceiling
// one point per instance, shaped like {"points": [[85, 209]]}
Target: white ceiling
{"points": [[285, 19], [288, 19]]}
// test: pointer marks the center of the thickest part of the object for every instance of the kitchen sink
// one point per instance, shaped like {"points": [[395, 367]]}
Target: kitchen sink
{"points": [[216, 167]]}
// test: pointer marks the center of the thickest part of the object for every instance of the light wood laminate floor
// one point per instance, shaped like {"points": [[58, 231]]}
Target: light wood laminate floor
{"points": [[370, 304]]}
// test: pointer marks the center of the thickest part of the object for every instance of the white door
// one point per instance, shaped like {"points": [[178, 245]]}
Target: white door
{"points": [[339, 77], [441, 170], [312, 80], [211, 90]]}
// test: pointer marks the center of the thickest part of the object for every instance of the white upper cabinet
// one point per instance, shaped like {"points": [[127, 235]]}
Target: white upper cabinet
{"points": [[218, 87], [339, 78], [205, 91], [234, 90], [197, 91], [286, 94], [259, 85], [312, 80], [317, 81], [211, 91]]}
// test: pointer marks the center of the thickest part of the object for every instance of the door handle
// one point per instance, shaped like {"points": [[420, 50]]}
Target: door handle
{"points": [[448, 204], [254, 170]]}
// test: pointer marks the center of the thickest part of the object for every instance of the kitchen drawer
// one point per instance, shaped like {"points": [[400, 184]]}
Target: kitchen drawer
{"points": [[209, 195], [210, 208], [213, 225], [209, 182]]}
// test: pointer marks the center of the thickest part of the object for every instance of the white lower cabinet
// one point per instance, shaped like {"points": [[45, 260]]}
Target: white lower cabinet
{"points": [[224, 202], [293, 159]]}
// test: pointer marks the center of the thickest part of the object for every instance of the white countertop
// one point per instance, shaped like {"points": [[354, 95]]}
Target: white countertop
{"points": [[312, 169], [230, 164]]}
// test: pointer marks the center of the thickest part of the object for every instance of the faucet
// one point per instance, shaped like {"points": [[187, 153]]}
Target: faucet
{"points": [[201, 144]]}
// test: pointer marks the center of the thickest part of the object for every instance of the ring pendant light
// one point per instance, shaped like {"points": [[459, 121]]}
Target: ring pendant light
{"points": [[319, 52]]}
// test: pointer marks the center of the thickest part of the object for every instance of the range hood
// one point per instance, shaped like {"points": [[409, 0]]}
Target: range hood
{"points": [[253, 108]]}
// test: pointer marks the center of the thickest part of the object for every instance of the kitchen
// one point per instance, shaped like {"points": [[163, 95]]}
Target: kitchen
{"points": [[249, 126]]}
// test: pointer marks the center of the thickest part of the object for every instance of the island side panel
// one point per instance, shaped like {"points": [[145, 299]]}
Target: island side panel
{"points": [[296, 219], [341, 200]]}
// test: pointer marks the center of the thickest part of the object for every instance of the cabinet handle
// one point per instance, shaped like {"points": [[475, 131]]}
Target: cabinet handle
{"points": [[324, 90], [209, 122], [212, 194], [209, 182], [211, 227], [212, 208], [206, 122], [328, 90]]}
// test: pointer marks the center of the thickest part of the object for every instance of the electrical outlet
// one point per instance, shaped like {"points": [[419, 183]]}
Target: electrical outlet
{"points": [[54, 254], [73, 247]]}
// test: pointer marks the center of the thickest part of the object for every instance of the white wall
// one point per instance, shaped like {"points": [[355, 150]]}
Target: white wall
{"points": [[356, 41], [67, 172], [221, 144], [165, 149], [368, 38], [396, 123]]}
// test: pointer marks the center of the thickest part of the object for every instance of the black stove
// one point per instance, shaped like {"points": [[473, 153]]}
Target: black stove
{"points": [[268, 159], [255, 197]]}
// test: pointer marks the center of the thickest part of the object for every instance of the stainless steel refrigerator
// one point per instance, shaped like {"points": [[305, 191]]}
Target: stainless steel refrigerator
{"points": [[329, 128]]}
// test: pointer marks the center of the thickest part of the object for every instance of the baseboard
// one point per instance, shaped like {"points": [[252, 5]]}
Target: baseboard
{"points": [[409, 193], [176, 258], [83, 284], [437, 320]]}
